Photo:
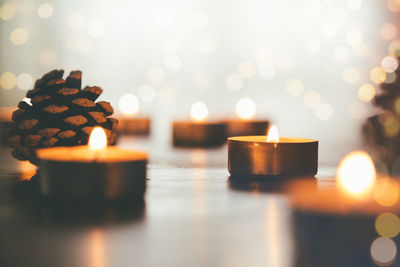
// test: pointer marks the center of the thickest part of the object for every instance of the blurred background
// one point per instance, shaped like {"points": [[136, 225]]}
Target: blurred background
{"points": [[311, 66]]}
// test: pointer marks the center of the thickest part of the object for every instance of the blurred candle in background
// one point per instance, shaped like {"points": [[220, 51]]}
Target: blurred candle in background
{"points": [[199, 132], [128, 121], [245, 124]]}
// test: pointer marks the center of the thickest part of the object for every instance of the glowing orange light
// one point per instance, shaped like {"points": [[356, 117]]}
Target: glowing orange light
{"points": [[273, 134], [98, 139], [128, 104], [245, 108], [199, 111], [356, 174]]}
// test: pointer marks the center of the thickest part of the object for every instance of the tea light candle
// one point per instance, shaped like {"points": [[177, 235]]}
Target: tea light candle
{"points": [[198, 132], [347, 217], [129, 123], [271, 156], [93, 172], [245, 124]]}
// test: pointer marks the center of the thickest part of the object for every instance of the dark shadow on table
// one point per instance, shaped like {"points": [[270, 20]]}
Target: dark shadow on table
{"points": [[28, 205]]}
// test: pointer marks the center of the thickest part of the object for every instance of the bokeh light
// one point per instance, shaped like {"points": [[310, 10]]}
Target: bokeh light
{"points": [[356, 173], [393, 5], [386, 192], [391, 77], [294, 87], [128, 104], [383, 250], [389, 64], [394, 47], [45, 10], [388, 31], [199, 111], [19, 36], [390, 124], [245, 108], [7, 11], [366, 92], [387, 225], [24, 81], [7, 80], [397, 105]]}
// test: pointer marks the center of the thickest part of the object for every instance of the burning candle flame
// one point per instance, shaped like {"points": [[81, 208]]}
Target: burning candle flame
{"points": [[245, 108], [273, 134], [356, 173], [98, 139], [199, 111], [128, 104]]}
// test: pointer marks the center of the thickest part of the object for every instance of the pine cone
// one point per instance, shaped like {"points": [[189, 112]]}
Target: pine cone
{"points": [[382, 132], [61, 114]]}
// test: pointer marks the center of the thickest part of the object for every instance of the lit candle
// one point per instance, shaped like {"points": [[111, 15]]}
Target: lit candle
{"points": [[263, 156], [345, 217], [95, 171], [199, 132], [245, 124], [129, 123]]}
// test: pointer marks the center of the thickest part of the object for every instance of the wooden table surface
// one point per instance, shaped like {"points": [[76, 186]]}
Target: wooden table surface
{"points": [[193, 215]]}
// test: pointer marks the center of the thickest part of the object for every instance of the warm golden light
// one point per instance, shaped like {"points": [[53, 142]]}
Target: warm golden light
{"points": [[199, 111], [98, 139], [387, 225], [356, 173], [273, 134], [128, 104], [245, 108], [386, 192]]}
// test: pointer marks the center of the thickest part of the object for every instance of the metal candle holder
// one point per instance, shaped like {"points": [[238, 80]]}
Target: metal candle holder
{"points": [[254, 157]]}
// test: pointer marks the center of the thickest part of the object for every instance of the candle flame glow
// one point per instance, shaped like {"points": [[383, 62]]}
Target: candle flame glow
{"points": [[98, 139], [245, 108], [273, 134], [128, 104], [199, 111], [356, 174]]}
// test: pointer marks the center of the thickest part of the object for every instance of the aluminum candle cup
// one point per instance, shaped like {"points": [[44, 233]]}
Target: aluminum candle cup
{"points": [[240, 127], [198, 134], [80, 173], [134, 126], [254, 157]]}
